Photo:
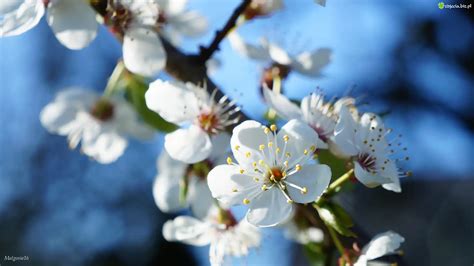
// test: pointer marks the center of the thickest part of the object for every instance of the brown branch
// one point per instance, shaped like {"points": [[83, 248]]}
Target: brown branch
{"points": [[207, 52]]}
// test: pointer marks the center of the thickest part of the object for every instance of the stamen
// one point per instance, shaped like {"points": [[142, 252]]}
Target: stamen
{"points": [[229, 161], [286, 138], [246, 201], [237, 147], [261, 147], [273, 127], [248, 154]]}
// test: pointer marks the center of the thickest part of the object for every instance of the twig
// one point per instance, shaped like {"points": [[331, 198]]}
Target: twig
{"points": [[206, 52]]}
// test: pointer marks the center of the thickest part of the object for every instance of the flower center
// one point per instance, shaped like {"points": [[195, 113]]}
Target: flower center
{"points": [[118, 18], [162, 19], [276, 175], [209, 122], [321, 132], [274, 71], [200, 169], [226, 218], [102, 110], [366, 161]]}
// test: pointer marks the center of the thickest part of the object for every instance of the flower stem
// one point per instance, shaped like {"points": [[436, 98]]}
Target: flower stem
{"points": [[338, 182], [114, 79], [337, 243]]}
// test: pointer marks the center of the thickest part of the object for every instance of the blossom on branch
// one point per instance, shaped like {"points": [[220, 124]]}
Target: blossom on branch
{"points": [[100, 124], [365, 142], [260, 8], [273, 170], [174, 176], [73, 22], [220, 230], [202, 116]]}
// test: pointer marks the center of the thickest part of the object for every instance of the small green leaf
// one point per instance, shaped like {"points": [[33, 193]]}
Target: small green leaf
{"points": [[136, 89], [315, 254], [335, 217]]}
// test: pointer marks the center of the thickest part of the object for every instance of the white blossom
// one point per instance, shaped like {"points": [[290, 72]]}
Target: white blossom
{"points": [[171, 173], [307, 63], [220, 230], [314, 110], [100, 124], [273, 170], [73, 22], [202, 117], [381, 245], [365, 143], [258, 8]]}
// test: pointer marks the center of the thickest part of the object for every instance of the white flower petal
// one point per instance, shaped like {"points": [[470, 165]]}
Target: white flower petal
{"points": [[143, 52], [200, 198], [229, 186], [173, 7], [301, 138], [166, 192], [248, 50], [382, 244], [128, 121], [270, 208], [282, 105], [57, 117], [310, 64], [172, 100], [106, 147], [188, 230], [344, 133], [73, 22], [315, 178], [189, 23], [17, 17], [189, 145], [368, 179], [245, 141], [277, 54]]}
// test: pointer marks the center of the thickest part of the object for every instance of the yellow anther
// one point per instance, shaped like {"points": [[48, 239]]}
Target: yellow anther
{"points": [[234, 190], [229, 160], [261, 147], [278, 150], [248, 154], [286, 138], [298, 167], [246, 201], [285, 163], [261, 162], [289, 201], [266, 130], [270, 144], [305, 152], [264, 187], [237, 147], [242, 171], [312, 148], [288, 154], [304, 190], [254, 164], [256, 179], [273, 127], [283, 174]]}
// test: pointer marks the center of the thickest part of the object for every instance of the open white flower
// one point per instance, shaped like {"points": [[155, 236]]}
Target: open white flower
{"points": [[226, 236], [187, 104], [272, 171], [176, 21], [318, 114], [365, 143], [172, 174], [307, 63], [101, 125], [258, 8], [73, 22], [381, 245]]}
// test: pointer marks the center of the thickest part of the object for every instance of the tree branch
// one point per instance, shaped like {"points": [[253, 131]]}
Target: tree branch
{"points": [[207, 52]]}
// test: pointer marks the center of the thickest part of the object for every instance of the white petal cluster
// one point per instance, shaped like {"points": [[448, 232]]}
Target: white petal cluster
{"points": [[202, 117], [307, 63], [101, 125], [273, 170], [365, 142], [73, 22], [226, 238], [381, 245]]}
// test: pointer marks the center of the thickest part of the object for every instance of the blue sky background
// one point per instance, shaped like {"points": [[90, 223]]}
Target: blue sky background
{"points": [[57, 205]]}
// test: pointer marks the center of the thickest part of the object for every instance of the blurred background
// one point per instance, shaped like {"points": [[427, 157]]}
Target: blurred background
{"points": [[408, 58]]}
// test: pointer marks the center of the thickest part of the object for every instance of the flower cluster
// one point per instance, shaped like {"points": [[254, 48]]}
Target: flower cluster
{"points": [[214, 157]]}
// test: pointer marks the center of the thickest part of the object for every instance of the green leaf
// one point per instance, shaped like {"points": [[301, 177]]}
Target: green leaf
{"points": [[136, 89], [336, 217]]}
